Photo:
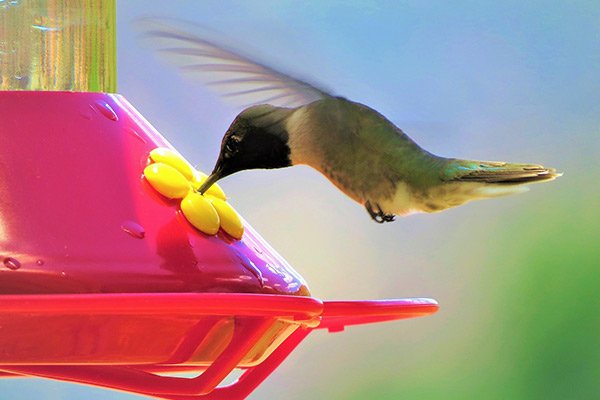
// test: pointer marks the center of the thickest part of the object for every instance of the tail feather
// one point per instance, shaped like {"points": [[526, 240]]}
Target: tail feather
{"points": [[500, 173]]}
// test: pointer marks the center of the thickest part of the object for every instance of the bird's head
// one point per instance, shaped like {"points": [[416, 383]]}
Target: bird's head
{"points": [[256, 139]]}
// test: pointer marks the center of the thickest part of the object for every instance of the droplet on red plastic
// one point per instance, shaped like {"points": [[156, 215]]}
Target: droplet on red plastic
{"points": [[12, 263], [105, 109], [134, 229]]}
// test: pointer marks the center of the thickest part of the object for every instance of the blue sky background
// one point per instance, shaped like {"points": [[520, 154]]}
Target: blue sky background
{"points": [[517, 278]]}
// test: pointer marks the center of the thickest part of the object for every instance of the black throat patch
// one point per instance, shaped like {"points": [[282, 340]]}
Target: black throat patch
{"points": [[267, 147]]}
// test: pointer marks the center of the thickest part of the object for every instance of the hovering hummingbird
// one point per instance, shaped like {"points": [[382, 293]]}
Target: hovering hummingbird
{"points": [[360, 151]]}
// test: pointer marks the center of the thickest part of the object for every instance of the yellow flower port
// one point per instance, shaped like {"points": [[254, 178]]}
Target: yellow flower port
{"points": [[172, 176]]}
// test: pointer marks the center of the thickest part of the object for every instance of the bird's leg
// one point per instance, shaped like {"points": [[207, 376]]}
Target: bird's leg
{"points": [[378, 215], [388, 217]]}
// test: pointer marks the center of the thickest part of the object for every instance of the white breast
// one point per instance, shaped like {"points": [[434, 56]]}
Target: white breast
{"points": [[403, 203], [408, 201]]}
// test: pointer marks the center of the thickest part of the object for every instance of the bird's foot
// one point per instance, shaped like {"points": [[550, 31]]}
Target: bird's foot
{"points": [[377, 214]]}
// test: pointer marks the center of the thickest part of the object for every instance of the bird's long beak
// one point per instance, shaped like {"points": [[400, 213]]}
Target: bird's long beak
{"points": [[215, 176]]}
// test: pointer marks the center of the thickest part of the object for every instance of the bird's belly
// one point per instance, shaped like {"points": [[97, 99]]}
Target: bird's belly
{"points": [[402, 202], [408, 200]]}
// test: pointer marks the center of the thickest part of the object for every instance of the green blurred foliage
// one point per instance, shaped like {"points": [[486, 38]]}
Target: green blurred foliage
{"points": [[538, 338]]}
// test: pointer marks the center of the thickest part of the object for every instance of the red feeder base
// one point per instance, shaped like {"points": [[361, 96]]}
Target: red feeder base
{"points": [[160, 333]]}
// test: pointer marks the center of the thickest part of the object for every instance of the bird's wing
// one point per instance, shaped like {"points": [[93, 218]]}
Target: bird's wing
{"points": [[228, 72], [496, 172]]}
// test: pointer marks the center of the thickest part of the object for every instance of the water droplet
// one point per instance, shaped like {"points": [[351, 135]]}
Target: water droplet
{"points": [[137, 135], [134, 229], [44, 28], [105, 109], [40, 262], [12, 263]]}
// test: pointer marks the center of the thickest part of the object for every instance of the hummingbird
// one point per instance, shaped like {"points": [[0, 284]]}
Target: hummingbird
{"points": [[290, 121]]}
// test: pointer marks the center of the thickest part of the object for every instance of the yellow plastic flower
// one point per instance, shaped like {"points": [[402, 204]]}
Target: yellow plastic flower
{"points": [[167, 180], [173, 177]]}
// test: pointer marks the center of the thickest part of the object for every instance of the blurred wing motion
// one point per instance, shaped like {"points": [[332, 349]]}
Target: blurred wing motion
{"points": [[229, 73]]}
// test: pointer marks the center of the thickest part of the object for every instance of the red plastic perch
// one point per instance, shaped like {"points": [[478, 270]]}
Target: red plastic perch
{"points": [[253, 318]]}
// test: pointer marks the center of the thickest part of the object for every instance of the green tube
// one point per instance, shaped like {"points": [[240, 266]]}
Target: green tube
{"points": [[58, 45]]}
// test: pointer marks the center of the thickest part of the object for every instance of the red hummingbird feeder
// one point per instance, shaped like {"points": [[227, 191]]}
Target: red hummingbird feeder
{"points": [[105, 282]]}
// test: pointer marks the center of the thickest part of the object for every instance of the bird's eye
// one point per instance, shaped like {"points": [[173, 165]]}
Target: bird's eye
{"points": [[231, 146]]}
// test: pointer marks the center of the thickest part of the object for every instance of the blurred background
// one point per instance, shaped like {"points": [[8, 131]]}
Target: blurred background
{"points": [[518, 278]]}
